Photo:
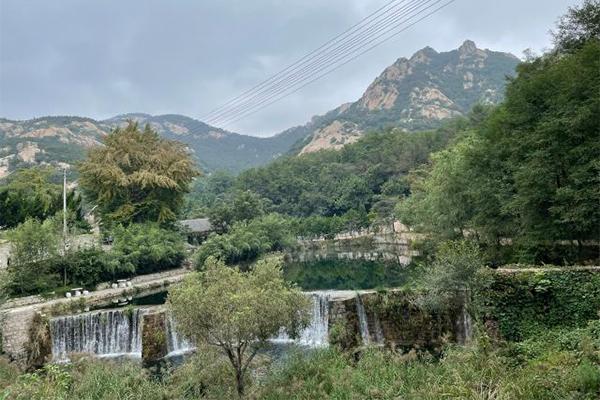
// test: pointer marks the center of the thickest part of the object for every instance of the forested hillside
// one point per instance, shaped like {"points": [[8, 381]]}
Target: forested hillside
{"points": [[523, 173], [529, 173], [63, 141]]}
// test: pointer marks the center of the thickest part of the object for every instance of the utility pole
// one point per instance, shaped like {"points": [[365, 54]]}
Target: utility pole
{"points": [[64, 223]]}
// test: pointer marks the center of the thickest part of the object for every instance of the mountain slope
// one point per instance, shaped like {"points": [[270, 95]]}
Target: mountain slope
{"points": [[414, 94], [64, 140]]}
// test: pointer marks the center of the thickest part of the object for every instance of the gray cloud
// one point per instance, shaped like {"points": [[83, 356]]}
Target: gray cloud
{"points": [[102, 58]]}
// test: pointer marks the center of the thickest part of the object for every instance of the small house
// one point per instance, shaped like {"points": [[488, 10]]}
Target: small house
{"points": [[197, 230]]}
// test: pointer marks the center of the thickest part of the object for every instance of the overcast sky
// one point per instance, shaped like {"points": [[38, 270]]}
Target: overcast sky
{"points": [[99, 58]]}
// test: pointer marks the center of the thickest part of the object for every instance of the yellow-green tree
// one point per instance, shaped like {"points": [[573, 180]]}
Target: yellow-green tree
{"points": [[137, 176], [238, 312]]}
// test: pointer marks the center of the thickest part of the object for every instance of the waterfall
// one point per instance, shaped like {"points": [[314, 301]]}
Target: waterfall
{"points": [[379, 338], [369, 336], [466, 326], [363, 324], [176, 343], [316, 333], [103, 333]]}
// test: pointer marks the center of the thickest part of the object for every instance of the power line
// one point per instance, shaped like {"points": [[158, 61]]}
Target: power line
{"points": [[325, 51], [330, 56], [336, 67], [282, 93], [307, 56]]}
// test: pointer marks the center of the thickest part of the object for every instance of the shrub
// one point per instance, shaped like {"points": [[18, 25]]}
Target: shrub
{"points": [[532, 301], [88, 267], [247, 241], [145, 248]]}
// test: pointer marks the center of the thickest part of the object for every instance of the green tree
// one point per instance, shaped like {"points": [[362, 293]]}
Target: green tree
{"points": [[34, 245], [28, 194], [578, 26], [453, 275], [137, 176], [32, 193], [240, 206], [207, 192], [238, 312]]}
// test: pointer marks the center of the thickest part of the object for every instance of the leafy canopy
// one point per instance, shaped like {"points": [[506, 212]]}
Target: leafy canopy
{"points": [[34, 245], [146, 248], [247, 240], [137, 176], [32, 193], [529, 174], [578, 26], [238, 311]]}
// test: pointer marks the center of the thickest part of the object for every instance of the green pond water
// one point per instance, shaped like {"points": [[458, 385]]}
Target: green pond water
{"points": [[347, 274]]}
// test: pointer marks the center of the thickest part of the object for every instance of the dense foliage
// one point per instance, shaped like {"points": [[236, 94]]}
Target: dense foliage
{"points": [[578, 26], [238, 312], [38, 264], [239, 206], [529, 174], [33, 243], [137, 177], [557, 365], [360, 177], [453, 275], [529, 301], [146, 248], [207, 191], [32, 193], [247, 240]]}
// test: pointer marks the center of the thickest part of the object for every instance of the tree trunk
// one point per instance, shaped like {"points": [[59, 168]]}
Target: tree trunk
{"points": [[239, 377]]}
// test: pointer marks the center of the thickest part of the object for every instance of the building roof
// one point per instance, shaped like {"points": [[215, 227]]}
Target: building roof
{"points": [[198, 225]]}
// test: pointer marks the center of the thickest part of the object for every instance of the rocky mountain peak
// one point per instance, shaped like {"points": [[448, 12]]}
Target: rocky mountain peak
{"points": [[424, 55], [417, 93], [468, 47]]}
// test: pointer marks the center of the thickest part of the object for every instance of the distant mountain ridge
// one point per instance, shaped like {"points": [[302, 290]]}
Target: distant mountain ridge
{"points": [[412, 94], [63, 140]]}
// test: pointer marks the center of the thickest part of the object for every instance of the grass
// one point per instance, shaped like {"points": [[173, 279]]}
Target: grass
{"points": [[558, 364]]}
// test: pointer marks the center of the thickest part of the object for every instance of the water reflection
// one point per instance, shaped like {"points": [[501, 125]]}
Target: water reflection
{"points": [[346, 274]]}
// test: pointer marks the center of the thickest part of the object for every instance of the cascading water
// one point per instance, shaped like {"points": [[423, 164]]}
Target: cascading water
{"points": [[104, 333], [176, 343], [379, 338], [465, 332], [369, 337], [363, 324], [316, 333]]}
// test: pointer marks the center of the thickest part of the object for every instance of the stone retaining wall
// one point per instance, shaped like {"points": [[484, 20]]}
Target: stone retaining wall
{"points": [[16, 322]]}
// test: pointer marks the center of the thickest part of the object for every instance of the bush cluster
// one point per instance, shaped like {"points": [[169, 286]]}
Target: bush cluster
{"points": [[40, 267]]}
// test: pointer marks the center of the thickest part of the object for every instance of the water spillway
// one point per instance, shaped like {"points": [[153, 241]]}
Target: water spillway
{"points": [[363, 324], [103, 333], [176, 343], [317, 332], [370, 334], [130, 331]]}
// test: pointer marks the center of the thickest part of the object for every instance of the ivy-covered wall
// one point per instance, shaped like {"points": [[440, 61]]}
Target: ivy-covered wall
{"points": [[524, 301]]}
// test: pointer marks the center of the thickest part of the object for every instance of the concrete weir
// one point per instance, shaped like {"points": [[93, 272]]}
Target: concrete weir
{"points": [[17, 317], [150, 333]]}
